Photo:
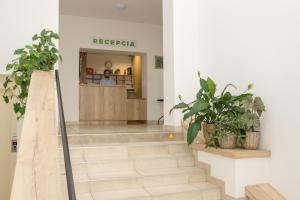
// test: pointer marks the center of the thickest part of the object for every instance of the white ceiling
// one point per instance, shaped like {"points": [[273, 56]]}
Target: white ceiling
{"points": [[143, 11]]}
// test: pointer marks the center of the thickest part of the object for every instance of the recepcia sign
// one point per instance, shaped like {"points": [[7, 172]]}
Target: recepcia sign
{"points": [[114, 42]]}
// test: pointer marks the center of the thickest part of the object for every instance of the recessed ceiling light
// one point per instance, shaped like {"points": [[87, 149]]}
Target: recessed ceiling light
{"points": [[121, 6]]}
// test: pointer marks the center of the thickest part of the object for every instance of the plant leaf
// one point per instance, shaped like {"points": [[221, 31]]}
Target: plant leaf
{"points": [[258, 105], [6, 99], [35, 37], [227, 96], [211, 86], [9, 66], [55, 35], [199, 94], [6, 82], [54, 50], [188, 114], [181, 105], [204, 85], [192, 132], [242, 97], [200, 106], [19, 51]]}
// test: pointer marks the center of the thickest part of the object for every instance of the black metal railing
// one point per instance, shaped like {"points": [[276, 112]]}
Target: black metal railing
{"points": [[65, 144]]}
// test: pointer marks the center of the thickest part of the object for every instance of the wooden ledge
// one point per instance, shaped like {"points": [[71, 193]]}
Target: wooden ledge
{"points": [[233, 153], [263, 192]]}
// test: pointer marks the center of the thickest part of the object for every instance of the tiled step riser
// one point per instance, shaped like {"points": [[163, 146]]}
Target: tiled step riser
{"points": [[212, 194], [122, 165], [208, 194], [141, 182], [122, 138], [125, 152], [135, 151]]}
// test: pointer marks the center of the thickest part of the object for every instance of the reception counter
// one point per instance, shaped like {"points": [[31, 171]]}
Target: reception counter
{"points": [[109, 104]]}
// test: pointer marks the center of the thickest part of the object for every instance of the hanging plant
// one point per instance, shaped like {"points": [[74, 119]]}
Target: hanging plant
{"points": [[41, 55]]}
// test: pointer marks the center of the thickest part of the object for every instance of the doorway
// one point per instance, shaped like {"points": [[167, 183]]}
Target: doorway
{"points": [[120, 101], [127, 68]]}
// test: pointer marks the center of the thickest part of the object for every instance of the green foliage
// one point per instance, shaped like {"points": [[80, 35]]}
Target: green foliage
{"points": [[41, 55], [213, 140], [253, 109], [230, 125], [192, 132], [209, 107]]}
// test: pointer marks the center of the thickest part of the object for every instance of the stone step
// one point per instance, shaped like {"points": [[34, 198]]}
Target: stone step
{"points": [[197, 191], [131, 150], [141, 178], [86, 139], [88, 169], [136, 166]]}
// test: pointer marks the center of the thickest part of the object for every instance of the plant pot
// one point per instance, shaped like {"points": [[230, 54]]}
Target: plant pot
{"points": [[252, 140], [208, 129], [227, 141]]}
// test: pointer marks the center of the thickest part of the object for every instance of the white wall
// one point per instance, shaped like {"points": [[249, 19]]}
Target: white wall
{"points": [[77, 32], [181, 50], [20, 20], [243, 41], [237, 173]]}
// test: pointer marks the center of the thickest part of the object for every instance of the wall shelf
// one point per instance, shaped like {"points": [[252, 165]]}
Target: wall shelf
{"points": [[126, 80]]}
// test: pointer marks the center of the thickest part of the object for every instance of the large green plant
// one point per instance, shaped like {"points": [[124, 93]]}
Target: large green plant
{"points": [[208, 107], [41, 55]]}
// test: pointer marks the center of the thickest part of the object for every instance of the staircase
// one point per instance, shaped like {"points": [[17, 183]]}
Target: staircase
{"points": [[137, 166]]}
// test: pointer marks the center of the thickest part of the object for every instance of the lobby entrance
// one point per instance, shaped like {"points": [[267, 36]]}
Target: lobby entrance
{"points": [[111, 87]]}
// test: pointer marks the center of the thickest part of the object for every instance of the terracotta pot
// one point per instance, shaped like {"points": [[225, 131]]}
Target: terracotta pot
{"points": [[228, 141], [208, 129], [252, 140]]}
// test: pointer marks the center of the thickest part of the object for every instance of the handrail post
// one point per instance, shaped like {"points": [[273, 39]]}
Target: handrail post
{"points": [[67, 159]]}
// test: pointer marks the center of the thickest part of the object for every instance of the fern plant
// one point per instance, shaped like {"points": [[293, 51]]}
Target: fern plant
{"points": [[41, 55]]}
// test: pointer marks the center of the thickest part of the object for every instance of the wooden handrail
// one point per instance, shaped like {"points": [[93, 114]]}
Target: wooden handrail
{"points": [[37, 173], [262, 192]]}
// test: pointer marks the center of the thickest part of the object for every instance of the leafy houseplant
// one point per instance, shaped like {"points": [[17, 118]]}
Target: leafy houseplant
{"points": [[208, 108], [250, 120], [227, 129], [42, 55]]}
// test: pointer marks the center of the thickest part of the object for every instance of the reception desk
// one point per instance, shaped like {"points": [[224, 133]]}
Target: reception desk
{"points": [[109, 104]]}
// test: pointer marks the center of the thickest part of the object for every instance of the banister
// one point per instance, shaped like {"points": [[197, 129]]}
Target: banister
{"points": [[37, 173], [65, 144]]}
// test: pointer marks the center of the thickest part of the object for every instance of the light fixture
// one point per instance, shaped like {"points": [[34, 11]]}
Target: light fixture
{"points": [[121, 6]]}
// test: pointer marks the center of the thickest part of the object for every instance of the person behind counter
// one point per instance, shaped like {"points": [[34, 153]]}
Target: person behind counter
{"points": [[106, 80]]}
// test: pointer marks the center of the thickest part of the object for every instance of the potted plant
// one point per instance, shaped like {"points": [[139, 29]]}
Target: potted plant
{"points": [[41, 55], [227, 129], [250, 120], [207, 108]]}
